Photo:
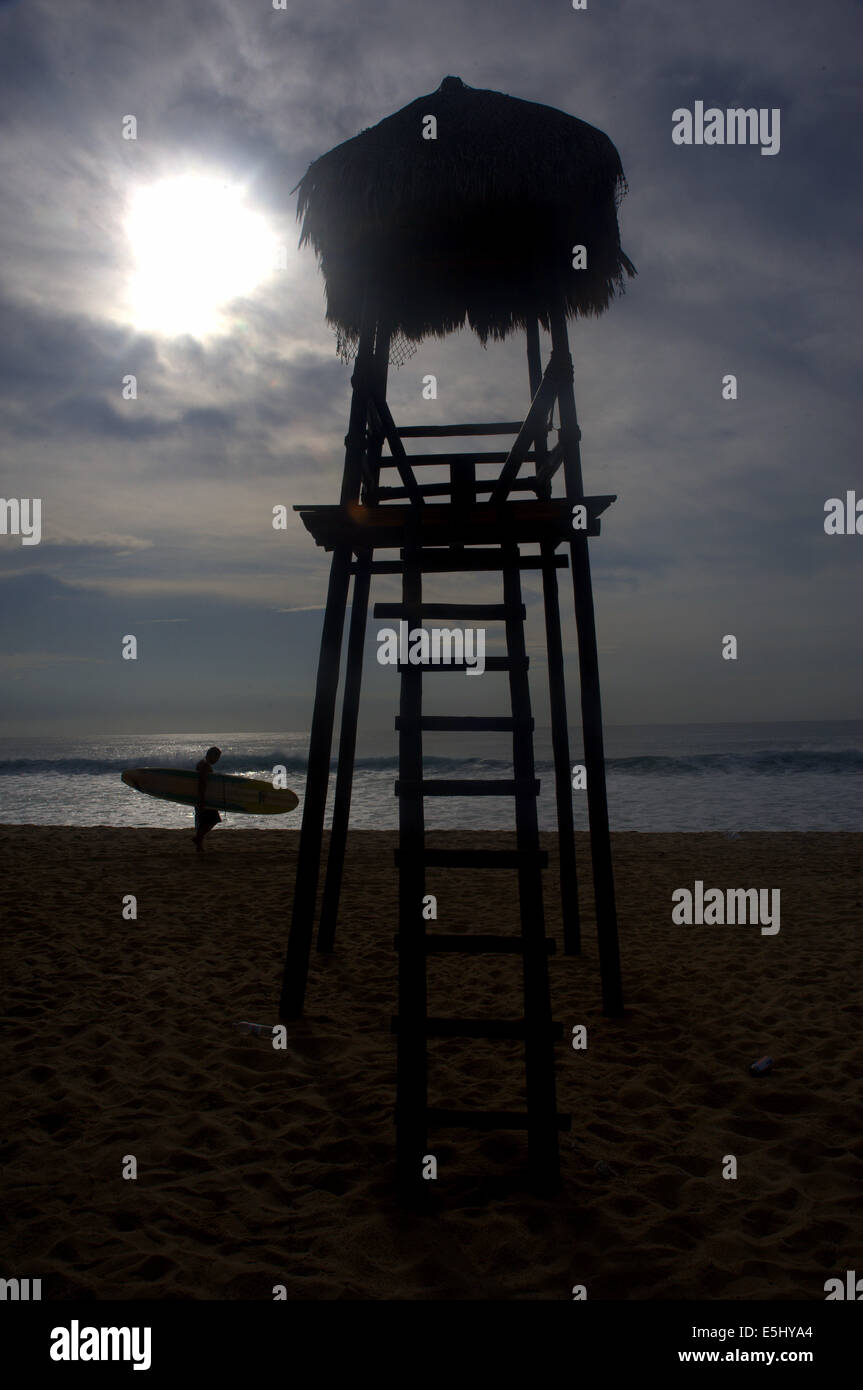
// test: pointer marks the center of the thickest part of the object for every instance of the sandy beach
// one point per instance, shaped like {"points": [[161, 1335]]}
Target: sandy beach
{"points": [[258, 1167]]}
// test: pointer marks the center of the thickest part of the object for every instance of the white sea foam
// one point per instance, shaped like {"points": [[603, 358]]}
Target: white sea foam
{"points": [[660, 778]]}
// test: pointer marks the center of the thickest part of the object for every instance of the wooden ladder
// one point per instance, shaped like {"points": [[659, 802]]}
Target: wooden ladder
{"points": [[413, 1026]]}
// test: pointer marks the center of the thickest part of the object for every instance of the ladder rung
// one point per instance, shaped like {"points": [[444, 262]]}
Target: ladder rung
{"points": [[464, 944], [473, 723], [447, 460], [446, 489], [492, 663], [479, 1028], [468, 786], [447, 562], [487, 1119], [474, 858], [459, 431], [488, 611]]}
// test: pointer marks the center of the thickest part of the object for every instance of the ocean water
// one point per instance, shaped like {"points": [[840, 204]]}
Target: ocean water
{"points": [[727, 777]]}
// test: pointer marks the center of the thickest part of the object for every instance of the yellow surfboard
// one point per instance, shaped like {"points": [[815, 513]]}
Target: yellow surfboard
{"points": [[225, 792]]}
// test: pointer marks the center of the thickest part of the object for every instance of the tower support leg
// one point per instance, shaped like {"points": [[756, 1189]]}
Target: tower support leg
{"points": [[377, 370], [296, 968], [570, 909], [317, 780], [347, 752], [562, 767], [591, 705]]}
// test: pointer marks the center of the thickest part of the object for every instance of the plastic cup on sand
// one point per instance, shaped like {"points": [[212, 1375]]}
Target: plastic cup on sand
{"points": [[761, 1067]]}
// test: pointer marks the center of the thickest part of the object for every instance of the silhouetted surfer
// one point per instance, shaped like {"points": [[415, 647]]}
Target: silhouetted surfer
{"points": [[205, 816]]}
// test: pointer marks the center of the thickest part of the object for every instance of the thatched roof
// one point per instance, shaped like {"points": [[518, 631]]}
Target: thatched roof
{"points": [[476, 225]]}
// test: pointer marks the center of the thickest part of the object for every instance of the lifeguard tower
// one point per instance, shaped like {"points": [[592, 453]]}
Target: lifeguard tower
{"points": [[466, 206]]}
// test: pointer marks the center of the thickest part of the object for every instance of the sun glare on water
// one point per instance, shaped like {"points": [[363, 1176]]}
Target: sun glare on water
{"points": [[196, 247]]}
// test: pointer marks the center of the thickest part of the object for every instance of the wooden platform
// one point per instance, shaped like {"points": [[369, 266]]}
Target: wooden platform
{"points": [[445, 524]]}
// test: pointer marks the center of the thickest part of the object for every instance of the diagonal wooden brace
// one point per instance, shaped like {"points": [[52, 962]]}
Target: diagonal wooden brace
{"points": [[388, 425], [535, 420]]}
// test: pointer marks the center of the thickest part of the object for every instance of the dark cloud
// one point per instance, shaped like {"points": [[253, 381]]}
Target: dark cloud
{"points": [[160, 509]]}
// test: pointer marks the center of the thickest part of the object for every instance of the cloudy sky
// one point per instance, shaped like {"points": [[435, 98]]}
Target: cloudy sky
{"points": [[157, 512]]}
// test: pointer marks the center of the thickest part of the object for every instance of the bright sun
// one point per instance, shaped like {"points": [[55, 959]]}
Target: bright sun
{"points": [[196, 247]]}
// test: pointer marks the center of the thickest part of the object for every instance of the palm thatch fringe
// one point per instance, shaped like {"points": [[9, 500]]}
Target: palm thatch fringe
{"points": [[477, 225]]}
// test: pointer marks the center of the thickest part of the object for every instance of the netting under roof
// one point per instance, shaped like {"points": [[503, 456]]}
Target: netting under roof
{"points": [[401, 348]]}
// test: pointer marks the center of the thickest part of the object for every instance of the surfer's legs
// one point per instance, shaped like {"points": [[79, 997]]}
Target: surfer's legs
{"points": [[204, 822]]}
